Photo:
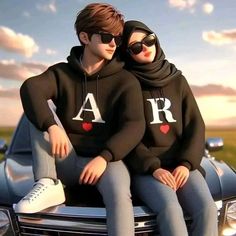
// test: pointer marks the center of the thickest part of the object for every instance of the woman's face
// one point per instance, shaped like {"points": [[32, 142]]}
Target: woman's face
{"points": [[140, 40]]}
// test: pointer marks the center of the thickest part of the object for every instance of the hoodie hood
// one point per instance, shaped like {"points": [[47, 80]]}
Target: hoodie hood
{"points": [[156, 74], [112, 67]]}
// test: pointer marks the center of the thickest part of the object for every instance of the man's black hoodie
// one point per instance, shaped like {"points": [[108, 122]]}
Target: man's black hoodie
{"points": [[175, 130], [102, 113]]}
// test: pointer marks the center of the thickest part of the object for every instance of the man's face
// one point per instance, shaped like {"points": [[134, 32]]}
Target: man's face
{"points": [[103, 45]]}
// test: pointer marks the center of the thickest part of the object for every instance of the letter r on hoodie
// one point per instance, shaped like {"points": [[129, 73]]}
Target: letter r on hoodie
{"points": [[156, 110], [94, 108]]}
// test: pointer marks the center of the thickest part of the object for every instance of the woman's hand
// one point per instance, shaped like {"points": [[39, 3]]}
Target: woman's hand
{"points": [[181, 174], [165, 177], [59, 141]]}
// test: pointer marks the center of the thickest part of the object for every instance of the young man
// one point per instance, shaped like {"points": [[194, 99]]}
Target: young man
{"points": [[100, 107]]}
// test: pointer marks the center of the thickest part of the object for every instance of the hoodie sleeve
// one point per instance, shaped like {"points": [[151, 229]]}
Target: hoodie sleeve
{"points": [[142, 161], [131, 122], [34, 93], [193, 138]]}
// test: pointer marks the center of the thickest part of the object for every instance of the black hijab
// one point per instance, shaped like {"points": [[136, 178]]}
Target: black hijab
{"points": [[155, 74]]}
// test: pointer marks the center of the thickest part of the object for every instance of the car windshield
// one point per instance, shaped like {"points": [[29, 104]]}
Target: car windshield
{"points": [[21, 139]]}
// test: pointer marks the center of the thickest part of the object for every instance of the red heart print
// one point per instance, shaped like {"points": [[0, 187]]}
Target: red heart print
{"points": [[87, 126], [164, 128]]}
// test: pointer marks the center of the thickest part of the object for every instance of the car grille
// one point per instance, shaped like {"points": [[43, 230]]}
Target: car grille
{"points": [[68, 221], [82, 228]]}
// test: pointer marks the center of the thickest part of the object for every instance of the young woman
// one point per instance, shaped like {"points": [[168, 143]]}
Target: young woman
{"points": [[166, 163]]}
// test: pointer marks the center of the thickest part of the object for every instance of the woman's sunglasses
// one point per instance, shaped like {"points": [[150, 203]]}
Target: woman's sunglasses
{"points": [[137, 47], [107, 38]]}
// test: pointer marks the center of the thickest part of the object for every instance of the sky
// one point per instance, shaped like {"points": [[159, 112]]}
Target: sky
{"points": [[198, 36]]}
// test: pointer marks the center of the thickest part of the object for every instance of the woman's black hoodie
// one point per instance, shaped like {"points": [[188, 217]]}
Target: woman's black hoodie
{"points": [[102, 113], [175, 131]]}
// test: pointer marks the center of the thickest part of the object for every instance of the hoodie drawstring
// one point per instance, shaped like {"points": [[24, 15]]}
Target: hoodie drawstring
{"points": [[85, 91], [97, 88]]}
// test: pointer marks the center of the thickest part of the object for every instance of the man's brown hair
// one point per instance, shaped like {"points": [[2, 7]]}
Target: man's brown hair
{"points": [[97, 17]]}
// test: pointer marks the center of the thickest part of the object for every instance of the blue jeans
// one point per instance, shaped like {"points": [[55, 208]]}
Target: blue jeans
{"points": [[114, 184], [193, 198]]}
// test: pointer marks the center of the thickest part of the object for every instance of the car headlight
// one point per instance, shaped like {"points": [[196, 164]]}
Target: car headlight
{"points": [[230, 219], [4, 222], [231, 214]]}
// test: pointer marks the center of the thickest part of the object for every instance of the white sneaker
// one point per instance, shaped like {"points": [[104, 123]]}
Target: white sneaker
{"points": [[45, 193]]}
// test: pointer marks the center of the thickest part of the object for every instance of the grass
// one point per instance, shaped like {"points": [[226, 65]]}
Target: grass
{"points": [[228, 154], [6, 133]]}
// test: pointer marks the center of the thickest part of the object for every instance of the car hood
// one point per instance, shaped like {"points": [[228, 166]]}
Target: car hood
{"points": [[17, 178], [220, 178]]}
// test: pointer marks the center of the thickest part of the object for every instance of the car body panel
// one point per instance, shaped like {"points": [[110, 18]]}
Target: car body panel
{"points": [[220, 178]]}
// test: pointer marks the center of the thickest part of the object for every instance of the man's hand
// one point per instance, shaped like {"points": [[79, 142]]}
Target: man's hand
{"points": [[59, 141], [165, 177], [93, 171], [181, 174]]}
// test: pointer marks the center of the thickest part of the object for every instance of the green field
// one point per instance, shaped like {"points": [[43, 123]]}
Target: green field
{"points": [[228, 154], [6, 132]]}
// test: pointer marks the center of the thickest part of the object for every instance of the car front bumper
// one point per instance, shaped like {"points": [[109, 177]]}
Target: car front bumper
{"points": [[67, 220]]}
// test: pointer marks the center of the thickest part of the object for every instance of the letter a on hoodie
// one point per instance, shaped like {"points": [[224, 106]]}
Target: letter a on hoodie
{"points": [[94, 108]]}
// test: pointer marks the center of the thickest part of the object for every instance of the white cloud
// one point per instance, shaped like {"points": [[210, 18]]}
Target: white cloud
{"points": [[9, 69], [51, 52], [220, 38], [208, 8], [50, 7], [26, 14], [183, 4], [17, 42]]}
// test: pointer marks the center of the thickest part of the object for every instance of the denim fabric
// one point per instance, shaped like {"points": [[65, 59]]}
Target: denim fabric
{"points": [[193, 199], [114, 184]]}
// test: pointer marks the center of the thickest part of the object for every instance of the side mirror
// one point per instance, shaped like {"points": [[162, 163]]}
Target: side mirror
{"points": [[214, 144], [3, 146]]}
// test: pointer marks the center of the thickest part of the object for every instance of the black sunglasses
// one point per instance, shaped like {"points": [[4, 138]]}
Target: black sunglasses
{"points": [[137, 47], [107, 38]]}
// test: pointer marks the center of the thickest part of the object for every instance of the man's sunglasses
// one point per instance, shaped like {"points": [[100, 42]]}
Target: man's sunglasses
{"points": [[137, 47], [107, 38]]}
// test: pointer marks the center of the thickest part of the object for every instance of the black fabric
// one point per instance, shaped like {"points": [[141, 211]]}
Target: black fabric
{"points": [[115, 94], [156, 74]]}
